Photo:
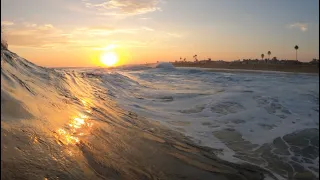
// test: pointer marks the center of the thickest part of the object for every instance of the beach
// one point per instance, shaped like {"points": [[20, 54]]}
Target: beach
{"points": [[303, 68]]}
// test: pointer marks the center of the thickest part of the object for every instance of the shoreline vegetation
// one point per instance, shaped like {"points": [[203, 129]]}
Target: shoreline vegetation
{"points": [[262, 65]]}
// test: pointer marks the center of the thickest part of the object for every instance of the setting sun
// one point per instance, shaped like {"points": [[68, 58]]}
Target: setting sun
{"points": [[109, 59]]}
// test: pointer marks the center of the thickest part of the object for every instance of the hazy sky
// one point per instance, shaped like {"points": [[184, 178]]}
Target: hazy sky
{"points": [[76, 32]]}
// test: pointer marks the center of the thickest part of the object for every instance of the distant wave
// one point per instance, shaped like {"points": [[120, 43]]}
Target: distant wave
{"points": [[165, 65], [135, 67]]}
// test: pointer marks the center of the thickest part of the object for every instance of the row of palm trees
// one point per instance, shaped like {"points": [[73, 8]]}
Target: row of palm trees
{"points": [[296, 47], [269, 53], [194, 56]]}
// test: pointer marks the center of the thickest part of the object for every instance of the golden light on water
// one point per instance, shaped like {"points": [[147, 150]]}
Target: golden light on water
{"points": [[66, 137], [84, 102], [87, 105], [78, 126], [77, 123], [109, 58]]}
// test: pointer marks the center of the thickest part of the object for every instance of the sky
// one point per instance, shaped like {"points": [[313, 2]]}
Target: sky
{"points": [[76, 33]]}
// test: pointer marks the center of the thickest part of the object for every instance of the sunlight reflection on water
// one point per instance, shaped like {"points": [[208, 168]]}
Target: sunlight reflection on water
{"points": [[78, 126]]}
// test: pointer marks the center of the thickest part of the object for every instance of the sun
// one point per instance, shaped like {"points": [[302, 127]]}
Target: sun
{"points": [[109, 58]]}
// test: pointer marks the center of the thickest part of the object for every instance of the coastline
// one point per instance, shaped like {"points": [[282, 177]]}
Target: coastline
{"points": [[310, 69]]}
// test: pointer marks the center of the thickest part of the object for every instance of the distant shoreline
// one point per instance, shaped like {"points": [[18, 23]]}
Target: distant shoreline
{"points": [[294, 68]]}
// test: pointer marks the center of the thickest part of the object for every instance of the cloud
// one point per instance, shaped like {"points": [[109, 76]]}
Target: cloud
{"points": [[6, 23], [124, 7], [145, 18], [34, 29], [174, 35], [106, 48], [101, 31], [302, 26], [36, 36], [27, 24], [93, 31], [107, 28], [147, 28], [132, 43], [41, 36]]}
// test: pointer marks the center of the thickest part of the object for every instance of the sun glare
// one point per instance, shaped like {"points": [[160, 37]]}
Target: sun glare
{"points": [[109, 59]]}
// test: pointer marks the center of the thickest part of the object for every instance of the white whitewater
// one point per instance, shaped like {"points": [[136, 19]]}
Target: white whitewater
{"points": [[268, 118]]}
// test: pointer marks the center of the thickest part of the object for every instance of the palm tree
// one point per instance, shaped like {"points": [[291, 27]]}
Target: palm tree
{"points": [[296, 48], [262, 56], [269, 53], [195, 57]]}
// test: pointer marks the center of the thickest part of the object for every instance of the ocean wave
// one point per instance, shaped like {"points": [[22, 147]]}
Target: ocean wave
{"points": [[165, 66], [242, 114], [92, 115]]}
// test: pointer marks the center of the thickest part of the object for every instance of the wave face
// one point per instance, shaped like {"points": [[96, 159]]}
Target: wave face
{"points": [[64, 123]]}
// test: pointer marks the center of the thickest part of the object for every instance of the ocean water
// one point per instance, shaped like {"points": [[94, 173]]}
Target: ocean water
{"points": [[72, 123], [270, 119]]}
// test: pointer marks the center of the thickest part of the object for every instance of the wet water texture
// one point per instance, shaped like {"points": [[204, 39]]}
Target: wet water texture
{"points": [[61, 124], [155, 123]]}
